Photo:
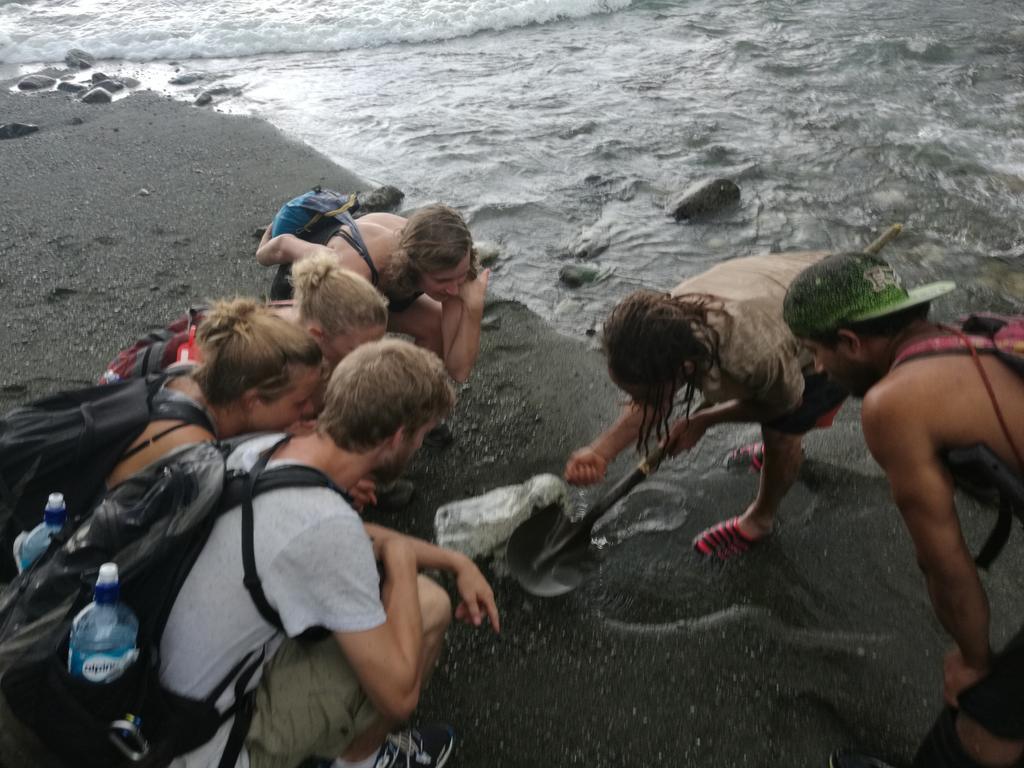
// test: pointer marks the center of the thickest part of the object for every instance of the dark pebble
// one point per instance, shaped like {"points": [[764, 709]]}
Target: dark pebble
{"points": [[203, 99], [72, 87], [97, 96], [16, 130], [76, 58], [36, 83]]}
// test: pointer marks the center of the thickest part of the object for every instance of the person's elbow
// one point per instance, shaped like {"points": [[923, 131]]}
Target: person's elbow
{"points": [[398, 702], [460, 372]]}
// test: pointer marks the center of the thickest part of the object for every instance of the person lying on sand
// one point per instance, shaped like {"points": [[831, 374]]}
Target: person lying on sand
{"points": [[719, 333], [425, 265], [866, 331]]}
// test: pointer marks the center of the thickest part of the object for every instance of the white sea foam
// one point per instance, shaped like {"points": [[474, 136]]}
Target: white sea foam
{"points": [[128, 29]]}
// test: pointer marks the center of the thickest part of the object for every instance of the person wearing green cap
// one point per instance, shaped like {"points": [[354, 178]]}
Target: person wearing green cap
{"points": [[926, 392], [719, 334]]}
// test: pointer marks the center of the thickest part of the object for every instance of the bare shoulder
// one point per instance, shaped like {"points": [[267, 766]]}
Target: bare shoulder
{"points": [[904, 401], [389, 222]]}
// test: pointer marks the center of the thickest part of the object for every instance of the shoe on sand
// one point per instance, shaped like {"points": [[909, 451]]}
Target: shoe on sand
{"points": [[428, 746], [724, 541], [847, 759]]}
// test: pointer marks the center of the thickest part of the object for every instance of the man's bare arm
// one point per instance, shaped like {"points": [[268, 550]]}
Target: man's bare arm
{"points": [[386, 659], [896, 427]]}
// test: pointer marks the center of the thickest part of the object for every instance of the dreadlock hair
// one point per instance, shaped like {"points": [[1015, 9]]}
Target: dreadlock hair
{"points": [[648, 338]]}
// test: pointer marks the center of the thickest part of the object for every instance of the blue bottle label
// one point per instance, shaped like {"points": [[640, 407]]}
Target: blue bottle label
{"points": [[102, 667]]}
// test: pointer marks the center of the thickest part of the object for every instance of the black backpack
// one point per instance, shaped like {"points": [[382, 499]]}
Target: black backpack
{"points": [[70, 442], [154, 526]]}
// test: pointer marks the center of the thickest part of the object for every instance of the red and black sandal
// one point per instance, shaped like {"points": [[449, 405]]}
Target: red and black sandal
{"points": [[723, 541]]}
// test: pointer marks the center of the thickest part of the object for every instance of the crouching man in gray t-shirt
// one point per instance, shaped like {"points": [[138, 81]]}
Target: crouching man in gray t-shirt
{"points": [[317, 561]]}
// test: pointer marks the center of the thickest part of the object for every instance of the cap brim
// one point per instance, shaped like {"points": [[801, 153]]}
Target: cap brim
{"points": [[915, 296]]}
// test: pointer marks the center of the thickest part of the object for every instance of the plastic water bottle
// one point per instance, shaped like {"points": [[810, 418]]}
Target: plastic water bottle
{"points": [[104, 633], [28, 546]]}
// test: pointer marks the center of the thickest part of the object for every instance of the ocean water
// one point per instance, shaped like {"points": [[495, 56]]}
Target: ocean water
{"points": [[566, 125]]}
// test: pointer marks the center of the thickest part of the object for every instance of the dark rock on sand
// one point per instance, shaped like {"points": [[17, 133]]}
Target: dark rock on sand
{"points": [[129, 82], [67, 87], [187, 79], [76, 58], [203, 99], [16, 130], [36, 83], [99, 77], [110, 85], [97, 96], [382, 199], [703, 198]]}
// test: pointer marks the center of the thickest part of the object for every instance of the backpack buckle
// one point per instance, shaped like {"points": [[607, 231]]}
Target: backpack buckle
{"points": [[127, 737]]}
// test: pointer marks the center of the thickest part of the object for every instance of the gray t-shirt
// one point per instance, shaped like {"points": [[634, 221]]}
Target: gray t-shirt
{"points": [[317, 567]]}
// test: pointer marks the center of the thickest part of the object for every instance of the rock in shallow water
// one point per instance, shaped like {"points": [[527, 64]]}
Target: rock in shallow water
{"points": [[187, 79], [110, 85], [76, 58], [382, 199], [203, 99], [72, 87], [703, 198], [16, 130], [576, 275], [36, 83]]}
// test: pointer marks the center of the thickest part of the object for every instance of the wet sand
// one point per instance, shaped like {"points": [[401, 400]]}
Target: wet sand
{"points": [[821, 637]]}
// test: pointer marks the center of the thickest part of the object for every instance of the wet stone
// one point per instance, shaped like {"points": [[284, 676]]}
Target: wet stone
{"points": [[487, 253], [72, 87], [384, 199], [187, 79], [577, 275], [129, 82], [76, 58], [704, 198], [97, 96], [110, 85], [36, 83], [99, 77], [16, 130], [203, 99]]}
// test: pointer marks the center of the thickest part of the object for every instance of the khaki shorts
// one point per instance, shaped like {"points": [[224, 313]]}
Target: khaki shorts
{"points": [[308, 704]]}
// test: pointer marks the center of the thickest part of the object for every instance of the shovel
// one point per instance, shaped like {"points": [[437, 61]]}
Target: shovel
{"points": [[549, 553]]}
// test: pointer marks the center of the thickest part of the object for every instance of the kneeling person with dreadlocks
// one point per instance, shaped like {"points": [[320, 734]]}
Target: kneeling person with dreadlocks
{"points": [[720, 333]]}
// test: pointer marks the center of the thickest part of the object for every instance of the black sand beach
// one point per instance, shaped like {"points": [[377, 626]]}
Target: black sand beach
{"points": [[822, 637]]}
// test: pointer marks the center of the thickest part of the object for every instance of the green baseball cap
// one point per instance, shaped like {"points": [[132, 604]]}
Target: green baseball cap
{"points": [[850, 288]]}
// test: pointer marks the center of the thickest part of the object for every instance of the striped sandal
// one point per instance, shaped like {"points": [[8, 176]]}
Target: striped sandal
{"points": [[724, 541], [749, 457]]}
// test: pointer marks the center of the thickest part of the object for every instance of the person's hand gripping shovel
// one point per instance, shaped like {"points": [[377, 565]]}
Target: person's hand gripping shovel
{"points": [[549, 554]]}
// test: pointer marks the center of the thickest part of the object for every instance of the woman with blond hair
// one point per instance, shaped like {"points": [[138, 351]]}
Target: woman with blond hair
{"points": [[338, 308], [258, 373], [425, 265]]}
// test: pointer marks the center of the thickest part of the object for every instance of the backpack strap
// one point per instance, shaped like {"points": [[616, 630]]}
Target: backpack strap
{"points": [[354, 239], [943, 345], [984, 467], [257, 483]]}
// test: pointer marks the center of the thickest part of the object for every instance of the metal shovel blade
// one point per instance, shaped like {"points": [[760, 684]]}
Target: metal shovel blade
{"points": [[549, 555]]}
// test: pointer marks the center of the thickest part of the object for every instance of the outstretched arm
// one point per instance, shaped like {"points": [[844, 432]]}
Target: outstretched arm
{"points": [[589, 464], [474, 591], [284, 249], [896, 428]]}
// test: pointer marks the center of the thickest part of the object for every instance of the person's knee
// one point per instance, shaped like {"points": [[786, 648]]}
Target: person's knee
{"points": [[957, 741], [435, 606], [985, 747]]}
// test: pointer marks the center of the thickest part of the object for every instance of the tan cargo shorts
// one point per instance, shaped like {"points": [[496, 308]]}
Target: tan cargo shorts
{"points": [[308, 704]]}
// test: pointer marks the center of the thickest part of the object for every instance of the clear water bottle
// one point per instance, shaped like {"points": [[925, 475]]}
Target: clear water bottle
{"points": [[104, 634], [28, 546]]}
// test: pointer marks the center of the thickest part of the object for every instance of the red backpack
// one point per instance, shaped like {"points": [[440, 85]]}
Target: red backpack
{"points": [[988, 333], [158, 350]]}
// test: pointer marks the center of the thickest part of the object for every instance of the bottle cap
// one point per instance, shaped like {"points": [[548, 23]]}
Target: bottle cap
{"points": [[108, 574], [55, 500]]}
